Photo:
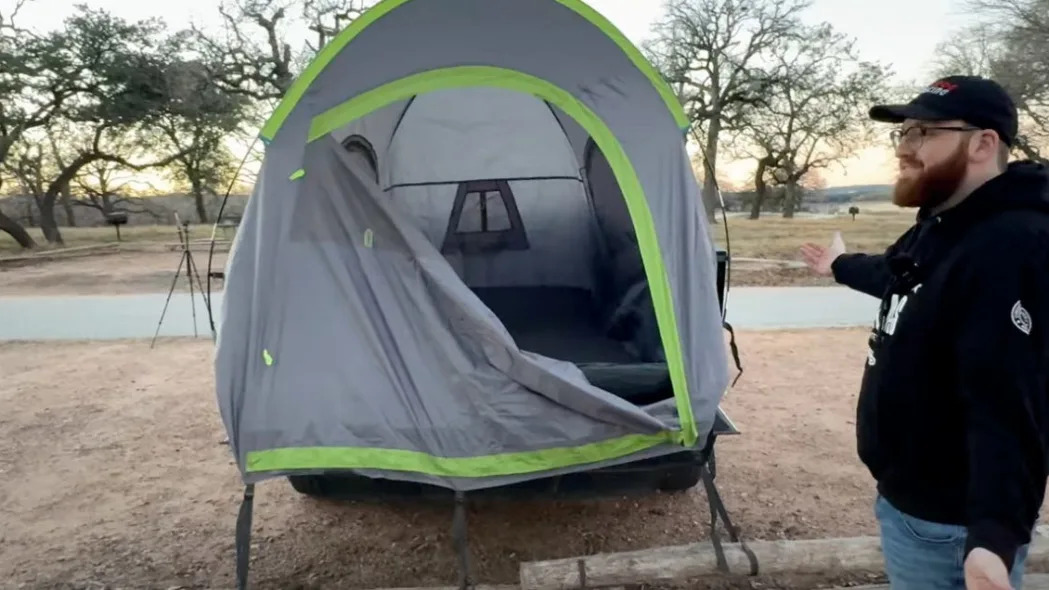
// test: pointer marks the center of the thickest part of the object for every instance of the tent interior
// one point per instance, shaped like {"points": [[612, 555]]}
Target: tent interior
{"points": [[527, 210]]}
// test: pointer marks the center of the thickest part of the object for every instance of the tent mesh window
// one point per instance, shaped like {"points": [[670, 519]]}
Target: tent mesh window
{"points": [[484, 219]]}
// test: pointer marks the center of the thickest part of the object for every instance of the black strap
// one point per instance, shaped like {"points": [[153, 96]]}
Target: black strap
{"points": [[243, 537], [715, 538], [718, 507], [459, 540], [735, 351]]}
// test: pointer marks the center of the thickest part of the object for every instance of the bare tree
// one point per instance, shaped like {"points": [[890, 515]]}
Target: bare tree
{"points": [[816, 114], [1011, 46], [712, 53], [326, 18], [253, 56], [103, 186]]}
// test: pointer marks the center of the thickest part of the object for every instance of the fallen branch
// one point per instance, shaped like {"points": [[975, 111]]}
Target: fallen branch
{"points": [[678, 564]]}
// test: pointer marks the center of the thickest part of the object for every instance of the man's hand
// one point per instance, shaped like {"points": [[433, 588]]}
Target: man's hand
{"points": [[985, 571], [819, 259]]}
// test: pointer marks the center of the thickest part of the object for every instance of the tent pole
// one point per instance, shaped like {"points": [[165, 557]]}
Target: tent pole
{"points": [[460, 541]]}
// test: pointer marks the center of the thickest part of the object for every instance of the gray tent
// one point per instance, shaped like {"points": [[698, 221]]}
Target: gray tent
{"points": [[474, 256]]}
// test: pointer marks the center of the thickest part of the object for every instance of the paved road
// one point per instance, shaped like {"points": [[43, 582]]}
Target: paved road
{"points": [[137, 316]]}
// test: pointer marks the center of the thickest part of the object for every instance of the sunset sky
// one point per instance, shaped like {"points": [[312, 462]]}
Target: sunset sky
{"points": [[902, 33]]}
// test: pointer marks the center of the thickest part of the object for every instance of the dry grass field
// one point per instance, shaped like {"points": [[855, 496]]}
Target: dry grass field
{"points": [[145, 262]]}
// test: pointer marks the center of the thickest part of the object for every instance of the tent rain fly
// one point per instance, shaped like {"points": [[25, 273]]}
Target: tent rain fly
{"points": [[466, 275]]}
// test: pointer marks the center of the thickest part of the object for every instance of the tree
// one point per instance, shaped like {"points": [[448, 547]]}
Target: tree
{"points": [[98, 77], [768, 170], [816, 113], [712, 53], [195, 125], [102, 188], [254, 56], [326, 18], [1011, 46], [119, 72], [29, 98]]}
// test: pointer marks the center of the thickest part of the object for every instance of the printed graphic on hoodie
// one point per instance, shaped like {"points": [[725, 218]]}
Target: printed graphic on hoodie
{"points": [[896, 305]]}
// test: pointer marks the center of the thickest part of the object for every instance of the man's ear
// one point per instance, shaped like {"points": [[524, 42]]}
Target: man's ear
{"points": [[984, 146]]}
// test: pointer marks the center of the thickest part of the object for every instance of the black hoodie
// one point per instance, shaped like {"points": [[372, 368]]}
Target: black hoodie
{"points": [[953, 414]]}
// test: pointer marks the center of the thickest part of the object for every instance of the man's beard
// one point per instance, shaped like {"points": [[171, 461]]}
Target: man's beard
{"points": [[934, 184]]}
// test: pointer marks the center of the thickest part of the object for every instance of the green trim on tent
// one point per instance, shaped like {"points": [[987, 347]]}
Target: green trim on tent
{"points": [[633, 193], [330, 51], [292, 458], [297, 174]]}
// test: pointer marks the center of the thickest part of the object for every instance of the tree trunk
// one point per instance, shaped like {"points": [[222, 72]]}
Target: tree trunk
{"points": [[198, 198], [16, 231], [67, 205], [710, 195], [47, 203], [48, 225], [790, 199], [760, 189]]}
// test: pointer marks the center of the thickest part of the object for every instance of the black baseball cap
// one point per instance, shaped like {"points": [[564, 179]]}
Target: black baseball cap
{"points": [[978, 101]]}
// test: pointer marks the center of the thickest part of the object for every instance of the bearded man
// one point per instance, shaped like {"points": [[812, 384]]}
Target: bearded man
{"points": [[953, 413]]}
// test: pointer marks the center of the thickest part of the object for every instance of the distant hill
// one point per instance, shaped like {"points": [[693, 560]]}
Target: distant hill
{"points": [[846, 194]]}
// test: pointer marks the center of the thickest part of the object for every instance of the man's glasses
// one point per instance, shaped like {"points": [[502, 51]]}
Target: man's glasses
{"points": [[915, 136]]}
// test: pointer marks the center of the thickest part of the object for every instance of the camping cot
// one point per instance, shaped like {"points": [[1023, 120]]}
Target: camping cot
{"points": [[475, 257]]}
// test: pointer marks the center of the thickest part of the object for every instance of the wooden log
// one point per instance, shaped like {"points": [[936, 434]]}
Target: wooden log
{"points": [[478, 587], [676, 564]]}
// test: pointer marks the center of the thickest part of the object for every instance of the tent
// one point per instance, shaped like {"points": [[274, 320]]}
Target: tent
{"points": [[474, 256]]}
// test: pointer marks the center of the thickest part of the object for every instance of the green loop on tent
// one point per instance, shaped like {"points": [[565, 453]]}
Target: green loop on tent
{"points": [[329, 52], [606, 140], [267, 358], [297, 174], [369, 238]]}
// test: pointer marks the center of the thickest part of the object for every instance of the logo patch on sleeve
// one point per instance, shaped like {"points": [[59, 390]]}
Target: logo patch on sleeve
{"points": [[1021, 318]]}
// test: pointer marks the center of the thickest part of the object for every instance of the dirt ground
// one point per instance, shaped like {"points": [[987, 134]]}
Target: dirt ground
{"points": [[113, 472]]}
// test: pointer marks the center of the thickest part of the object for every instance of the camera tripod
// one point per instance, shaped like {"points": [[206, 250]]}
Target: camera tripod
{"points": [[186, 260]]}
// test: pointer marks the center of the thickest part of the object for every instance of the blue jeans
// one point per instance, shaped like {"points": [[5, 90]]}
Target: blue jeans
{"points": [[923, 555]]}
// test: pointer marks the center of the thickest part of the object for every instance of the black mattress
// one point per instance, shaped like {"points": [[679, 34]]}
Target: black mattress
{"points": [[565, 324], [561, 323]]}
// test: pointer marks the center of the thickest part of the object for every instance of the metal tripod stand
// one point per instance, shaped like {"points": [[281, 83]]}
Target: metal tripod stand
{"points": [[182, 227]]}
